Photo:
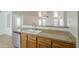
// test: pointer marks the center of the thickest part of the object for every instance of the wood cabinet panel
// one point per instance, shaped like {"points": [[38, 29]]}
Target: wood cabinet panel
{"points": [[43, 42], [60, 44], [31, 41], [43, 45], [23, 40]]}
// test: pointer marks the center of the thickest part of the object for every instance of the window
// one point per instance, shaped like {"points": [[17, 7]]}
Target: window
{"points": [[18, 20], [61, 22], [39, 22], [55, 14], [42, 21], [57, 19]]}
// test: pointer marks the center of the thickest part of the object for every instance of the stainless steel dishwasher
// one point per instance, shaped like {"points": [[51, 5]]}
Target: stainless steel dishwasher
{"points": [[16, 39]]}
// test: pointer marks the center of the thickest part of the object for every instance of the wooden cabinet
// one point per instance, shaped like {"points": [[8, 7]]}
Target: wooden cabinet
{"points": [[23, 40], [61, 44], [31, 41], [43, 42]]}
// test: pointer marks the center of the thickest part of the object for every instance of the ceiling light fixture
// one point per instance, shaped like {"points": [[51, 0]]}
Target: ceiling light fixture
{"points": [[42, 14]]}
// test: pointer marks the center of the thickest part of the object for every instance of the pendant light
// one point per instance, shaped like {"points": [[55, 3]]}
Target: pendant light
{"points": [[42, 14]]}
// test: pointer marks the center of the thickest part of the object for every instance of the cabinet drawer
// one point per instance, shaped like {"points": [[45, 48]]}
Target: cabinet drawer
{"points": [[60, 44], [44, 40]]}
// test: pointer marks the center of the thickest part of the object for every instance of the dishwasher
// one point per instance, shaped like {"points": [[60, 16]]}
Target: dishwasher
{"points": [[16, 39]]}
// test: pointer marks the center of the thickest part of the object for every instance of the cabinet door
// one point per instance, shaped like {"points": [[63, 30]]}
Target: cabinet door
{"points": [[23, 40], [43, 42], [31, 41], [61, 44]]}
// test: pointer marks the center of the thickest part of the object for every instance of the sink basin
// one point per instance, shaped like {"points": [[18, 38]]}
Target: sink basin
{"points": [[32, 31]]}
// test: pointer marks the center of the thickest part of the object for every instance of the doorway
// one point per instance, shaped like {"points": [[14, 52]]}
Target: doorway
{"points": [[6, 29]]}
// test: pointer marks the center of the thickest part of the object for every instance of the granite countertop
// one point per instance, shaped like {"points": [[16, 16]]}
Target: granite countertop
{"points": [[64, 36]]}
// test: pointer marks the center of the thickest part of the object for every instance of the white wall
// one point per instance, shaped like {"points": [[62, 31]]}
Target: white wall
{"points": [[4, 29], [29, 19], [2, 23], [8, 23], [72, 20]]}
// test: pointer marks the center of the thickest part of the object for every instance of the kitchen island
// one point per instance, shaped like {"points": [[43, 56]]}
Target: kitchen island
{"points": [[46, 39]]}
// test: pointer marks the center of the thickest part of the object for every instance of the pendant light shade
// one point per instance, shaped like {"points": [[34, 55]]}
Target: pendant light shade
{"points": [[42, 14]]}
